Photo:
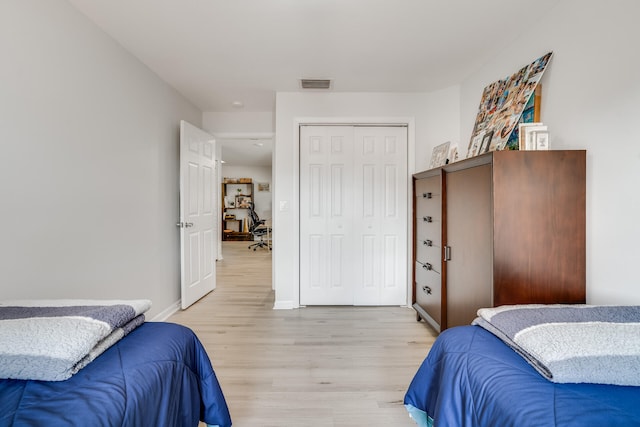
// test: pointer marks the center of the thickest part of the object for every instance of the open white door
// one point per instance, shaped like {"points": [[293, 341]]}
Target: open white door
{"points": [[198, 219]]}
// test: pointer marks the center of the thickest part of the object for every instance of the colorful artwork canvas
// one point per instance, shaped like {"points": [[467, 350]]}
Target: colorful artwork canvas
{"points": [[502, 105]]}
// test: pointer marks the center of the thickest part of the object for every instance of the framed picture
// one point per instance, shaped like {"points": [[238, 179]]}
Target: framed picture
{"points": [[454, 154], [503, 103], [439, 155], [263, 186], [530, 114], [485, 143], [525, 132], [243, 202], [474, 145], [542, 140]]}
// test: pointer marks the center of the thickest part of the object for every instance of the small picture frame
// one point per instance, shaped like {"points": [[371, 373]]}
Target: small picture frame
{"points": [[542, 140], [485, 144], [474, 145], [525, 131], [263, 186], [439, 155], [243, 202], [454, 154]]}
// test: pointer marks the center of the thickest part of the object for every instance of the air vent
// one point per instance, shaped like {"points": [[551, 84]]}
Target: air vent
{"points": [[315, 84]]}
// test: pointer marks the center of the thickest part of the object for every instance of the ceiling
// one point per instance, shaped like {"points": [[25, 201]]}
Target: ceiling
{"points": [[217, 52]]}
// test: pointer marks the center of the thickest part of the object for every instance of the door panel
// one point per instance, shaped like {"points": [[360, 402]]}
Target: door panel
{"points": [[325, 215], [198, 245], [336, 266], [470, 236], [380, 215]]}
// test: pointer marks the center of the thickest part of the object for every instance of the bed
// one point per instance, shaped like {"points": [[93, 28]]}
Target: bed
{"points": [[157, 375], [471, 377]]}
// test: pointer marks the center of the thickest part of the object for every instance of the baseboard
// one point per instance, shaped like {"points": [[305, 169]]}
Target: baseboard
{"points": [[283, 305], [167, 312]]}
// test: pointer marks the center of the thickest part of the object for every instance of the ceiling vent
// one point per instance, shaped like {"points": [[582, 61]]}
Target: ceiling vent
{"points": [[315, 84]]}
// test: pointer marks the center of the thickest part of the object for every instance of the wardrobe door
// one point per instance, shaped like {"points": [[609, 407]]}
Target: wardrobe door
{"points": [[539, 227], [469, 237]]}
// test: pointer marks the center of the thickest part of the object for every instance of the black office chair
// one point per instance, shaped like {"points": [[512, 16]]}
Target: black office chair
{"points": [[258, 229]]}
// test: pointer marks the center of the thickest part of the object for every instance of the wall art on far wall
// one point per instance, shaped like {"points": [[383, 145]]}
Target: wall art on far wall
{"points": [[501, 107]]}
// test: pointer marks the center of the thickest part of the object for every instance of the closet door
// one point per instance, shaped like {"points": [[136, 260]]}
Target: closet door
{"points": [[353, 215], [326, 215], [380, 215]]}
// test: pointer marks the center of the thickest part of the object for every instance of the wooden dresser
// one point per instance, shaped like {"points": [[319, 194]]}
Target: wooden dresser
{"points": [[506, 227]]}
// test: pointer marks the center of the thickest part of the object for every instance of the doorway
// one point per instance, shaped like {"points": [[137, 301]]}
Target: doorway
{"points": [[247, 156]]}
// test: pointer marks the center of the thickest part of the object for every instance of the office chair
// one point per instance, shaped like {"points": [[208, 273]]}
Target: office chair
{"points": [[258, 229]]}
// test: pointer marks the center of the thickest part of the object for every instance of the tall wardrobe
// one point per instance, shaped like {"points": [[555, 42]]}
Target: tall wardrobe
{"points": [[506, 227]]}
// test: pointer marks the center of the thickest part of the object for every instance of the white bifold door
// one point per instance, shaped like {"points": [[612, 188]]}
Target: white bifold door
{"points": [[353, 215]]}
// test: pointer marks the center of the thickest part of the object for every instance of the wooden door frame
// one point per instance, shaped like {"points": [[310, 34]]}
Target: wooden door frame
{"points": [[409, 122]]}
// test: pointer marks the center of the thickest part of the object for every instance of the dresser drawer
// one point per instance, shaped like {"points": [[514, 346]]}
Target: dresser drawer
{"points": [[425, 186], [428, 272], [429, 293], [429, 207], [431, 254], [429, 228]]}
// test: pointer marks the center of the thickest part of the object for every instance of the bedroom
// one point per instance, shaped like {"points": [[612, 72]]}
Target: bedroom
{"points": [[96, 130]]}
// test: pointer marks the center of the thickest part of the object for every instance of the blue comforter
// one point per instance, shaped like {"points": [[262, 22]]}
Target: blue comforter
{"points": [[158, 375], [471, 378]]}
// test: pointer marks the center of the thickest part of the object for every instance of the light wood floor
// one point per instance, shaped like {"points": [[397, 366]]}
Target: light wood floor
{"points": [[314, 366]]}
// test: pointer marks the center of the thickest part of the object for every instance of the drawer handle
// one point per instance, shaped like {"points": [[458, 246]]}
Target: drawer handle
{"points": [[427, 219], [427, 195], [427, 266], [427, 242], [427, 289]]}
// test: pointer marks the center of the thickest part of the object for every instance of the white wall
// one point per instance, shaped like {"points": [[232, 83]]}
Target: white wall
{"points": [[590, 100], [432, 118], [89, 162], [238, 122]]}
